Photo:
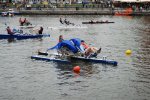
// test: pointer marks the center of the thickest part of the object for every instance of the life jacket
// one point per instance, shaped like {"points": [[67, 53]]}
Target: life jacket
{"points": [[9, 31], [84, 45]]}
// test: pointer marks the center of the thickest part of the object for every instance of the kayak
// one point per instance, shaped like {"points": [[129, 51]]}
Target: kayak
{"points": [[23, 36], [97, 22], [72, 58]]}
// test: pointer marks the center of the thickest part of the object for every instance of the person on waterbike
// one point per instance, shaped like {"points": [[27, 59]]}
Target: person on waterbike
{"points": [[61, 38], [40, 31], [21, 22], [26, 22], [9, 31], [61, 21], [66, 22], [76, 47], [90, 50]]}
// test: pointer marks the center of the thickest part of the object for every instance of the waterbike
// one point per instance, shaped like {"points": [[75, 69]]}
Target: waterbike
{"points": [[20, 35], [68, 51]]}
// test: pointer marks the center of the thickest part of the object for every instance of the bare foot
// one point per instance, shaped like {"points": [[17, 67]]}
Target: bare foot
{"points": [[98, 51]]}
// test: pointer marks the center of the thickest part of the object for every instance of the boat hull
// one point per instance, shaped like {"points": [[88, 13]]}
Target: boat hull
{"points": [[49, 59], [109, 62], [22, 36], [96, 22], [103, 61]]}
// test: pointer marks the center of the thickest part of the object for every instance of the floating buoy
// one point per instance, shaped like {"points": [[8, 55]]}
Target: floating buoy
{"points": [[128, 52], [76, 69]]}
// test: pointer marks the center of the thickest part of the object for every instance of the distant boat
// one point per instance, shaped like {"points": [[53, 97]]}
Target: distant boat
{"points": [[97, 22], [10, 13], [126, 12]]}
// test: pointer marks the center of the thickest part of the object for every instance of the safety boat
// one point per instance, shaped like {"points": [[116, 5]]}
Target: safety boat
{"points": [[70, 51], [125, 12]]}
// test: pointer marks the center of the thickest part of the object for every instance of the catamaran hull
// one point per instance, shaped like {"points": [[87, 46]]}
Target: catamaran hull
{"points": [[114, 63], [22, 36], [49, 59], [103, 61]]}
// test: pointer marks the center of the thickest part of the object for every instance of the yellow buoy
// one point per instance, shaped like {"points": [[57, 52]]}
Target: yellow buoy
{"points": [[128, 52]]}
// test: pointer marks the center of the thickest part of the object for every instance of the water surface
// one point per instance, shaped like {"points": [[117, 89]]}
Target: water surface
{"points": [[24, 79]]}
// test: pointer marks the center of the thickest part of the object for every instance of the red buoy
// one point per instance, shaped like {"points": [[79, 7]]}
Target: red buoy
{"points": [[76, 69]]}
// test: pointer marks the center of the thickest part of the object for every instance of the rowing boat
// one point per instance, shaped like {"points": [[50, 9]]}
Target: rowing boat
{"points": [[23, 36], [73, 58], [37, 57], [103, 61], [97, 22]]}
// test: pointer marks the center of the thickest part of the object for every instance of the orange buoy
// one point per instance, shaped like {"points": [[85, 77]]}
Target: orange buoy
{"points": [[76, 69]]}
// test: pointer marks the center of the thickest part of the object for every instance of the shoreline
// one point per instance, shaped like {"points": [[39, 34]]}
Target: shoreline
{"points": [[80, 12], [45, 12], [75, 11]]}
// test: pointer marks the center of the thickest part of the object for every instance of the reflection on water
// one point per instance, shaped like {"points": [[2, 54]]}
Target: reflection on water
{"points": [[11, 40], [87, 69], [142, 60]]}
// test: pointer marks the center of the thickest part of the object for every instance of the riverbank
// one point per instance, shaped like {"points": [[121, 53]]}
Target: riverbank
{"points": [[77, 11], [66, 12], [83, 11]]}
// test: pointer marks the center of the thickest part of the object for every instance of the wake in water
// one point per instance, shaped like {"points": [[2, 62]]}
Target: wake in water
{"points": [[68, 27]]}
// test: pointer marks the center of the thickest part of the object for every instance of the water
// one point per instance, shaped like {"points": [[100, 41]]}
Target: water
{"points": [[24, 79]]}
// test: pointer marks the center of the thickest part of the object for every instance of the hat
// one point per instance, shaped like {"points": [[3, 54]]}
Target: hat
{"points": [[82, 41]]}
